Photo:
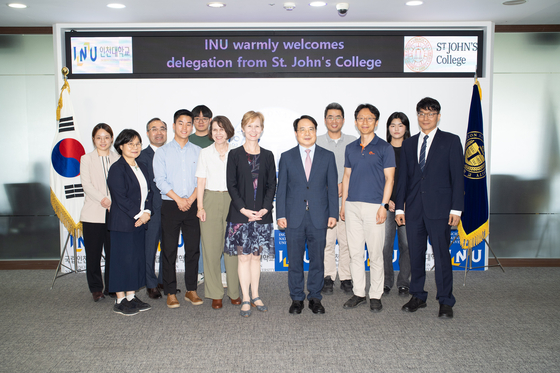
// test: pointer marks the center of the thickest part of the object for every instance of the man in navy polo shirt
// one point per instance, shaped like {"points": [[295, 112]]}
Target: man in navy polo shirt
{"points": [[369, 170]]}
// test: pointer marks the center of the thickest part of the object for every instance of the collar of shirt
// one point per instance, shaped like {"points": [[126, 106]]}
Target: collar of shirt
{"points": [[330, 139], [217, 153], [428, 143], [175, 144], [371, 143], [154, 148], [304, 154]]}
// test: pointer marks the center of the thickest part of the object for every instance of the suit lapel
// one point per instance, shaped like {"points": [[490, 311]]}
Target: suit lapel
{"points": [[315, 163], [299, 165], [434, 148]]}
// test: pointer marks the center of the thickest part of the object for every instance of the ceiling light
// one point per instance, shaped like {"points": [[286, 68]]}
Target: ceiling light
{"points": [[216, 5], [289, 6], [317, 3], [17, 6], [514, 2], [414, 3], [116, 6]]}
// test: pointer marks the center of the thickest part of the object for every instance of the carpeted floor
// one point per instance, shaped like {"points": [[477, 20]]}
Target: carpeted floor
{"points": [[504, 322]]}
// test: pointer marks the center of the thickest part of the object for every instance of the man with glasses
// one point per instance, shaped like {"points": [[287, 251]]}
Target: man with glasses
{"points": [[369, 170], [336, 141], [202, 116], [306, 206], [157, 134], [430, 199]]}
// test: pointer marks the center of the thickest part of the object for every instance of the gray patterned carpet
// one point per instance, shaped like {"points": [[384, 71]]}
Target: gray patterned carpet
{"points": [[504, 322]]}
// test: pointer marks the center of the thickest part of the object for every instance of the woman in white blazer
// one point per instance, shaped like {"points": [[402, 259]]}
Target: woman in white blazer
{"points": [[94, 168]]}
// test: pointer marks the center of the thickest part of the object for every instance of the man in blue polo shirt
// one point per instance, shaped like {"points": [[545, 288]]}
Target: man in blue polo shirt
{"points": [[369, 170]]}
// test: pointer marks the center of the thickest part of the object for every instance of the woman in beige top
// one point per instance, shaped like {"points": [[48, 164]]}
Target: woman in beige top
{"points": [[213, 205], [94, 169]]}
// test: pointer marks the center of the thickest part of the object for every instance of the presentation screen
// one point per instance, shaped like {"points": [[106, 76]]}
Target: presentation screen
{"points": [[274, 54]]}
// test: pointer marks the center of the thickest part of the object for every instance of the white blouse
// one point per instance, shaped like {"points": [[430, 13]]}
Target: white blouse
{"points": [[212, 168], [143, 190]]}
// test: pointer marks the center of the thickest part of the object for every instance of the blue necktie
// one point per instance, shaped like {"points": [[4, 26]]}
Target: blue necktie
{"points": [[423, 153]]}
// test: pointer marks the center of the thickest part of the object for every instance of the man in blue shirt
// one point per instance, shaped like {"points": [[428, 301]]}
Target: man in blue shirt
{"points": [[369, 170], [174, 172]]}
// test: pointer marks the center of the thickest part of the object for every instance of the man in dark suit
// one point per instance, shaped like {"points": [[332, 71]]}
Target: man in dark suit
{"points": [[430, 201], [307, 204], [157, 134]]}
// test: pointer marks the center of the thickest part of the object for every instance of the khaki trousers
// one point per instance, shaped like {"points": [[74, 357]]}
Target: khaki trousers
{"points": [[212, 231], [361, 228], [338, 232]]}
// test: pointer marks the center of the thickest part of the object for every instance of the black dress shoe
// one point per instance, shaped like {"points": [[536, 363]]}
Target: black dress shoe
{"points": [[346, 286], [413, 305], [386, 290], [445, 311], [296, 307], [97, 296], [112, 295], [315, 306], [160, 287], [154, 293], [328, 286], [375, 305], [403, 291], [354, 301]]}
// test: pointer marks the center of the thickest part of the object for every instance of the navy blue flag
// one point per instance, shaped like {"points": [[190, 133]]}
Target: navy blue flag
{"points": [[473, 227]]}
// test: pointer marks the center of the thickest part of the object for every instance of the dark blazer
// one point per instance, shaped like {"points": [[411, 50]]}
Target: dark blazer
{"points": [[147, 158], [240, 185], [440, 188], [125, 196], [295, 191]]}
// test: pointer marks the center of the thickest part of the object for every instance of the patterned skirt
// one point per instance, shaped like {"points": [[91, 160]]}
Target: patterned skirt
{"points": [[249, 238]]}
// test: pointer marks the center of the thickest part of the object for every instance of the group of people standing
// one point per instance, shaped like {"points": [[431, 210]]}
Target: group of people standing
{"points": [[357, 191]]}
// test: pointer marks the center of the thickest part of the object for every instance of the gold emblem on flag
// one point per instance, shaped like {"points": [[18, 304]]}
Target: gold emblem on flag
{"points": [[475, 161]]}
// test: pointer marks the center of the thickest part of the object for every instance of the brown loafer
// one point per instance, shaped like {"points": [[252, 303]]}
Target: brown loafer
{"points": [[216, 304], [236, 302], [192, 296], [97, 296], [172, 301]]}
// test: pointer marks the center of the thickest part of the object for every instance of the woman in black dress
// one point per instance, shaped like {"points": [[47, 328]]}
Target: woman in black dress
{"points": [[129, 214]]}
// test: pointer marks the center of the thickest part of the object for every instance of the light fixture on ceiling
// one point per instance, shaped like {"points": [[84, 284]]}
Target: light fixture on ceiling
{"points": [[116, 6], [216, 5], [289, 6], [414, 3], [342, 9], [514, 2], [317, 4], [17, 6]]}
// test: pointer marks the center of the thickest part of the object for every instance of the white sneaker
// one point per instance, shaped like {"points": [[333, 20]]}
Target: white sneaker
{"points": [[224, 280], [200, 279]]}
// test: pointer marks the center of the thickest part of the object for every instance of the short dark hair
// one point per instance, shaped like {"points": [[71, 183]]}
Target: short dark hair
{"points": [[102, 126], [154, 120], [370, 107], [223, 122], [126, 136], [334, 106], [304, 117], [404, 120], [181, 112], [428, 103], [202, 109]]}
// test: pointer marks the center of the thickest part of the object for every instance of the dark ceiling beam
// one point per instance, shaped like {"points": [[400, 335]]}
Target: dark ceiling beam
{"points": [[26, 30]]}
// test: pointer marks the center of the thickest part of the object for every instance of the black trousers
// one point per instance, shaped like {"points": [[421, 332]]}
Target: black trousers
{"points": [[173, 221], [96, 237]]}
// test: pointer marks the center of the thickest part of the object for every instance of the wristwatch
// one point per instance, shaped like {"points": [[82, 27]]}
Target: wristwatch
{"points": [[386, 206]]}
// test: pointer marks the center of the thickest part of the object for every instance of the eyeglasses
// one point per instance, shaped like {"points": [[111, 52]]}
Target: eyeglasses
{"points": [[155, 129], [369, 120], [133, 145], [330, 118], [310, 129], [201, 120], [429, 115]]}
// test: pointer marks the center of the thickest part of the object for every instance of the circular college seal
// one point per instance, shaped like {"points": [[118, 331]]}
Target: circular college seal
{"points": [[475, 163], [418, 54]]}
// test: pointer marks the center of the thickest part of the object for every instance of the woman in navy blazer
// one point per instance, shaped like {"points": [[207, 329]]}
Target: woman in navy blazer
{"points": [[128, 219], [251, 183]]}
